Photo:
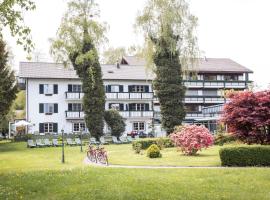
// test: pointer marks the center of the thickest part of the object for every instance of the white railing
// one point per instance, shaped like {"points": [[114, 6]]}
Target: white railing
{"points": [[127, 114], [194, 100], [74, 95], [194, 84], [74, 114], [214, 84], [213, 100], [129, 95], [235, 85]]}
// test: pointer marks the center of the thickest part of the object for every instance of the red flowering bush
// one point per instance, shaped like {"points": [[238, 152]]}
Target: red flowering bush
{"points": [[247, 116], [192, 138]]}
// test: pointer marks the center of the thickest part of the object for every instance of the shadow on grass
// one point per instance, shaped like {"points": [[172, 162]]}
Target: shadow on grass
{"points": [[12, 146]]}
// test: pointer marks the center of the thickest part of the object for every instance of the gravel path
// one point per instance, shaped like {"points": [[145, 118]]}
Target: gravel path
{"points": [[86, 161]]}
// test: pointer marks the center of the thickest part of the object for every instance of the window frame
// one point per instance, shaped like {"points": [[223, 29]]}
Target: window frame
{"points": [[48, 126], [79, 125], [138, 126]]}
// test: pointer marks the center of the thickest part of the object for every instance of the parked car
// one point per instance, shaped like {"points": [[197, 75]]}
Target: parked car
{"points": [[133, 134]]}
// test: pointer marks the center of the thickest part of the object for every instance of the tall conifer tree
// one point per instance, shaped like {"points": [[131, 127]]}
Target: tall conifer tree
{"points": [[8, 86]]}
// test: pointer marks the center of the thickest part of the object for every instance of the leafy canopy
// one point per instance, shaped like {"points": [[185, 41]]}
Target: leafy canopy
{"points": [[81, 15], [159, 18], [247, 116], [11, 16]]}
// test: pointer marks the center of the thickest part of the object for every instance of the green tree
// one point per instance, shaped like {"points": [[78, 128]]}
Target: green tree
{"points": [[171, 48], [11, 16], [8, 86], [115, 122], [113, 55], [77, 38]]}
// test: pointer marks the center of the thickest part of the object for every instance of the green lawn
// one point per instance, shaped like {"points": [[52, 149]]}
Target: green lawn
{"points": [[39, 174]]}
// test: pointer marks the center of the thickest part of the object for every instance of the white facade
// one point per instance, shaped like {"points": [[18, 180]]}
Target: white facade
{"points": [[66, 119]]}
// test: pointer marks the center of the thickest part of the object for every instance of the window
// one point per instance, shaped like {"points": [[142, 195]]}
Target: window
{"points": [[74, 107], [48, 107], [138, 88], [209, 92], [192, 92], [230, 77], [115, 106], [48, 89], [210, 77], [138, 107], [76, 88], [115, 88], [139, 126], [192, 108], [48, 127], [78, 127]]}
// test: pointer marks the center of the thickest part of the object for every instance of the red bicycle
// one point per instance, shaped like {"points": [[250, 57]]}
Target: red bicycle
{"points": [[101, 155], [97, 155], [91, 154]]}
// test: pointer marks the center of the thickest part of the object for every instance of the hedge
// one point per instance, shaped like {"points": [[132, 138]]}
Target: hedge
{"points": [[245, 156], [160, 142]]}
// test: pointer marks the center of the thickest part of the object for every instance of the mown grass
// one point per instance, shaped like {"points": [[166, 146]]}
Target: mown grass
{"points": [[146, 184], [39, 174], [15, 156]]}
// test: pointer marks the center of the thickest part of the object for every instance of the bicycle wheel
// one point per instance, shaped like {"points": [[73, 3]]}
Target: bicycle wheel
{"points": [[100, 158]]}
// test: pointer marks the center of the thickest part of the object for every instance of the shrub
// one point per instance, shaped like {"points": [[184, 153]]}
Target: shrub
{"points": [[161, 142], [192, 138], [245, 156], [138, 148], [153, 151], [223, 138], [22, 137], [247, 116], [115, 122]]}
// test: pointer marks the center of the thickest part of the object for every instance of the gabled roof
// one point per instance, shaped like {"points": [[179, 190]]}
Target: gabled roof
{"points": [[126, 71], [210, 65], [224, 65], [56, 70]]}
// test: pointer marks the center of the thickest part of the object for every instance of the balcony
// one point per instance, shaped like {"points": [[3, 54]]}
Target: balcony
{"points": [[135, 114], [215, 84], [74, 114], [204, 99], [235, 85], [74, 95], [194, 100], [130, 95]]}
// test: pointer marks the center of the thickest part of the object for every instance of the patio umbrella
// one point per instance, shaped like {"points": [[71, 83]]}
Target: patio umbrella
{"points": [[22, 123]]}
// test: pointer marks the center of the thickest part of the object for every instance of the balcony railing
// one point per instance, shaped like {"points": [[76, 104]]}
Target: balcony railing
{"points": [[74, 114], [204, 99], [214, 84], [129, 95], [74, 95], [127, 114]]}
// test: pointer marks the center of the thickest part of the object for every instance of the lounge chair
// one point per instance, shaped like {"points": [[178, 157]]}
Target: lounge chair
{"points": [[70, 142], [123, 139], [40, 143], [129, 138], [115, 140], [55, 143], [93, 141], [78, 141], [30, 144], [47, 142], [102, 141]]}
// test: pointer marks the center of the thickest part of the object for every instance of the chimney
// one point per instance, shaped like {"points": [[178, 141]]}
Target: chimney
{"points": [[117, 64]]}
